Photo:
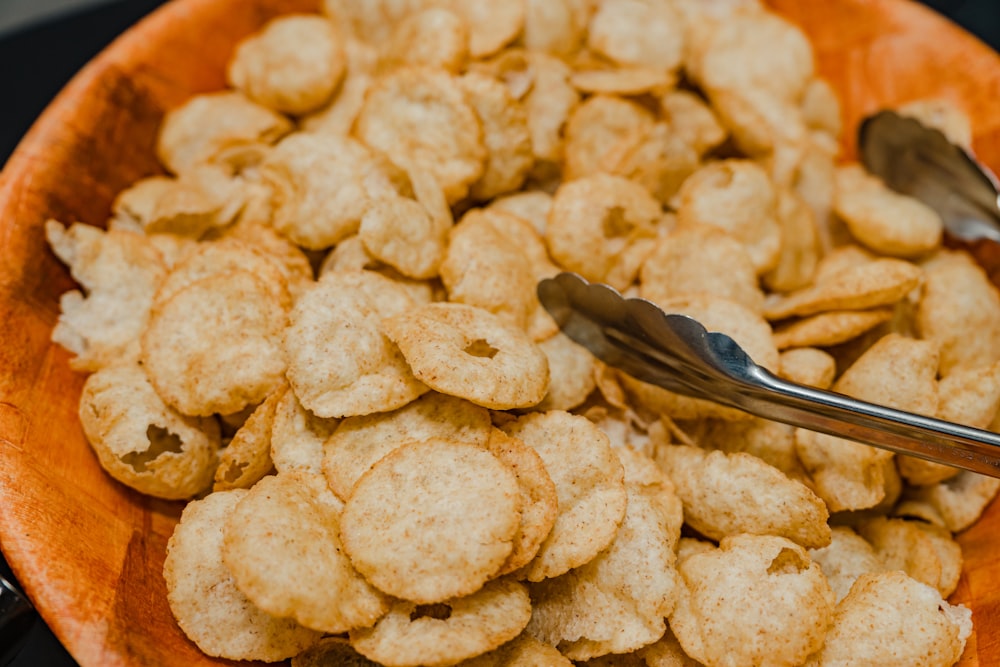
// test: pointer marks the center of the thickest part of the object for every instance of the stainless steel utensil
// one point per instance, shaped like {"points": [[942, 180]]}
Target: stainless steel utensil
{"points": [[677, 353], [920, 161]]}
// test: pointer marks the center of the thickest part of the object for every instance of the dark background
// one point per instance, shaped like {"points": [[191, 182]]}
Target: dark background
{"points": [[37, 60]]}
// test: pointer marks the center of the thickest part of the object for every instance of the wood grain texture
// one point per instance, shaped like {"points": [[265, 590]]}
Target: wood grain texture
{"points": [[89, 551]]}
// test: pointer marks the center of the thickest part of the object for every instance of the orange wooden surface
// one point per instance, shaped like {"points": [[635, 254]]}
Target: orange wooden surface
{"points": [[89, 551]]}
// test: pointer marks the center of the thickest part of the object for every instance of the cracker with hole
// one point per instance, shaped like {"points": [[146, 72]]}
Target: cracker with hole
{"points": [[420, 117], [247, 457], [471, 353], [142, 442], [446, 633], [754, 600], [595, 221]]}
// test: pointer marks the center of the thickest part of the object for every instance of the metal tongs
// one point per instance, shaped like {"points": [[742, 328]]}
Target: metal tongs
{"points": [[921, 162], [677, 353]]}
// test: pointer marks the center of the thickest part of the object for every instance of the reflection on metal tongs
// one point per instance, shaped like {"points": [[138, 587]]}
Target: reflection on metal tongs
{"points": [[921, 162], [677, 353]]}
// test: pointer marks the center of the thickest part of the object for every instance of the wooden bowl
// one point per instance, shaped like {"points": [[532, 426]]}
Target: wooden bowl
{"points": [[89, 551]]}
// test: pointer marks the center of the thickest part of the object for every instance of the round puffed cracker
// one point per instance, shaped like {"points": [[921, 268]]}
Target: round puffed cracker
{"points": [[340, 362], [846, 474], [204, 599], [505, 135], [959, 309], [885, 221], [421, 119], [438, 635], [492, 25], [530, 205], [589, 483], [732, 494], [142, 442], [432, 37], [958, 501], [399, 232], [297, 435], [485, 268], [571, 373], [211, 258], [292, 65], [282, 545], [752, 50], [879, 282], [830, 327], [209, 123], [873, 625], [215, 345], [630, 81], [809, 366], [322, 184], [754, 600], [618, 601], [432, 520], [359, 442], [593, 223], [692, 119], [601, 131], [554, 27], [120, 272], [471, 353], [738, 196], [531, 244], [539, 502], [338, 116], [634, 32], [925, 552], [686, 261]]}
